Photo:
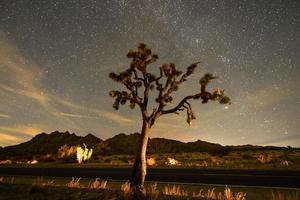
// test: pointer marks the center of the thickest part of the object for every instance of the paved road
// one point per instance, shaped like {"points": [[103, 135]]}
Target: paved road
{"points": [[207, 176]]}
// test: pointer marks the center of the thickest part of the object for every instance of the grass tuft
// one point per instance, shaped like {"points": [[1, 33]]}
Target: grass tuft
{"points": [[152, 191], [282, 196], [227, 195], [125, 188], [174, 191], [40, 181], [74, 183], [98, 184]]}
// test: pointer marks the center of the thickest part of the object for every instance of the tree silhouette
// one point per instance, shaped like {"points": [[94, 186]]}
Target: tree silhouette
{"points": [[139, 82]]}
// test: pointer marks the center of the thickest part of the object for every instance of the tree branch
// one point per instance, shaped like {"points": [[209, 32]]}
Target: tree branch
{"points": [[181, 104]]}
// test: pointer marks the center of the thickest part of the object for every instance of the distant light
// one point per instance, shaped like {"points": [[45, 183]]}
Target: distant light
{"points": [[226, 107]]}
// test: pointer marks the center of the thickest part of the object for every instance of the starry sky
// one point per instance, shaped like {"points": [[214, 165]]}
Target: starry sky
{"points": [[55, 57]]}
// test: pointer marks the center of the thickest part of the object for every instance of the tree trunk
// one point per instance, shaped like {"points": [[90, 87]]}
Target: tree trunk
{"points": [[139, 169]]}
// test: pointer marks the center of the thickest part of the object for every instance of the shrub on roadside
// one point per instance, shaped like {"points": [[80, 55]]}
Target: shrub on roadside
{"points": [[281, 196], [74, 183], [98, 184], [67, 154], [174, 191]]}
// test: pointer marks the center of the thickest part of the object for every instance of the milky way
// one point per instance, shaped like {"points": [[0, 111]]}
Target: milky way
{"points": [[55, 57]]}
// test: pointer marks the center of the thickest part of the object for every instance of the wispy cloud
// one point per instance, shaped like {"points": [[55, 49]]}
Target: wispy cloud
{"points": [[76, 115], [19, 75], [24, 73], [6, 139], [27, 77], [4, 116], [115, 117], [21, 130], [36, 95]]}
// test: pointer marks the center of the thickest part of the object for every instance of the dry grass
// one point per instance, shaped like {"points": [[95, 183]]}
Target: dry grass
{"points": [[98, 184], [74, 183], [199, 194], [152, 191], [125, 188], [65, 151], [42, 182], [227, 195], [211, 194], [48, 183], [282, 196], [174, 191], [12, 180]]}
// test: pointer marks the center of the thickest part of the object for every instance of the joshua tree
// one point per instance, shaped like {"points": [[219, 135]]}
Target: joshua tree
{"points": [[139, 82]]}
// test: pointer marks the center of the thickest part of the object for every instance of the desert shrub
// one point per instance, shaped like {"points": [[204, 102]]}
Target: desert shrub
{"points": [[152, 191], [5, 162], [67, 154], [47, 158], [41, 182], [125, 188], [83, 155], [74, 183], [226, 195], [12, 180], [215, 160], [174, 191], [172, 162], [98, 184], [286, 163], [283, 196], [151, 162]]}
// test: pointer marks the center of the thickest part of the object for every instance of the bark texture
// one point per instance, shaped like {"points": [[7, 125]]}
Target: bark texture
{"points": [[139, 170]]}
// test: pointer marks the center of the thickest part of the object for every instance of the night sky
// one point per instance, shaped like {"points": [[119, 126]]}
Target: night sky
{"points": [[55, 57]]}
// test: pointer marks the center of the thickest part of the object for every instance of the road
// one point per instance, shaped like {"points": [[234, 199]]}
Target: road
{"points": [[207, 176]]}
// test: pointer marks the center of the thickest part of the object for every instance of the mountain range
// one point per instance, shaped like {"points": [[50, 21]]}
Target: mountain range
{"points": [[43, 144]]}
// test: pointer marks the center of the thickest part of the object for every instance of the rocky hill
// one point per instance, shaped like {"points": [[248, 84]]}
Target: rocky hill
{"points": [[44, 143]]}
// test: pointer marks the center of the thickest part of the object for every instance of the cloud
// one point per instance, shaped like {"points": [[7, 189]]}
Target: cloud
{"points": [[117, 118], [4, 116], [16, 67], [14, 134], [21, 130], [6, 139], [75, 115], [38, 96], [20, 76]]}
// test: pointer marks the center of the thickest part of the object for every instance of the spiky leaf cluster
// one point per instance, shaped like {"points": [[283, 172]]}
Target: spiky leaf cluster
{"points": [[137, 77]]}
